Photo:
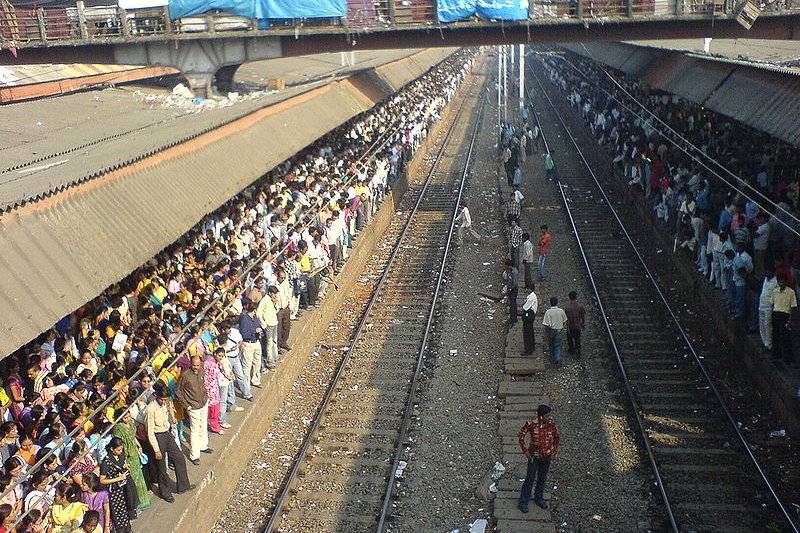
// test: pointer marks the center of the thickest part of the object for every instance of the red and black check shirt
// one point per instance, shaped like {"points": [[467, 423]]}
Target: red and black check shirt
{"points": [[544, 438]]}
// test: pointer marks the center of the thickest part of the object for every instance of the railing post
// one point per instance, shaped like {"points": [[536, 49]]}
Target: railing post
{"points": [[168, 28], [629, 7], [42, 26], [579, 10], [210, 23], [123, 22], [84, 31], [391, 12]]}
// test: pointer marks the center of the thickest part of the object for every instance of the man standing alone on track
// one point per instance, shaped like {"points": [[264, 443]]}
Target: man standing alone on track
{"points": [[576, 315], [555, 319], [464, 223], [543, 449]]}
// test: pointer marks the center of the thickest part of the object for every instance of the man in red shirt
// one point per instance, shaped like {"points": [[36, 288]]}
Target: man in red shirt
{"points": [[544, 249], [543, 448]]}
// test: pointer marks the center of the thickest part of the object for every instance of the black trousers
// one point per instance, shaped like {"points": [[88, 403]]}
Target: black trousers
{"points": [[527, 267], [781, 337], [512, 304], [284, 327], [574, 340], [528, 335], [169, 449]]}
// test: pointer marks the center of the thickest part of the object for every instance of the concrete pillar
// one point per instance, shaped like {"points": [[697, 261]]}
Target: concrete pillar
{"points": [[199, 61], [200, 83], [224, 78]]}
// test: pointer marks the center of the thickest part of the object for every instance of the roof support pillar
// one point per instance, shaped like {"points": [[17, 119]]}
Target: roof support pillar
{"points": [[200, 61]]}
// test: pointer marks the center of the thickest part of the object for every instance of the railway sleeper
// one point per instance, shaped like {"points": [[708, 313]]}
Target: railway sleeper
{"points": [[349, 523]]}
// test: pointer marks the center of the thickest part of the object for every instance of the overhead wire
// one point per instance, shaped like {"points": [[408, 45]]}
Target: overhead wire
{"points": [[371, 150], [692, 156]]}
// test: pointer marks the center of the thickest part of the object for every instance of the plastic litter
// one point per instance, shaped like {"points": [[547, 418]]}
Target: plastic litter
{"points": [[478, 526], [497, 470], [401, 466], [597, 517], [493, 488], [777, 433]]}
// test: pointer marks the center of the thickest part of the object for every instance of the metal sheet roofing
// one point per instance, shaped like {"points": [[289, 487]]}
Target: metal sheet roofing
{"points": [[61, 252]]}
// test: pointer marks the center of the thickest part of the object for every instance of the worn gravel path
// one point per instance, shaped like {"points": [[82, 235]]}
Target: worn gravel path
{"points": [[598, 483]]}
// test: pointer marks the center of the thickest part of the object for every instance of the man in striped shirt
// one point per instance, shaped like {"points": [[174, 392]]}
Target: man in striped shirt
{"points": [[543, 448]]}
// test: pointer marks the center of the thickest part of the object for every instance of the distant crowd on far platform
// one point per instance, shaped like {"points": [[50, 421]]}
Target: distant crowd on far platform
{"points": [[738, 224]]}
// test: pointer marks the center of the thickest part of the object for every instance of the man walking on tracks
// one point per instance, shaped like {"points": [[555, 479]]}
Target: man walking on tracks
{"points": [[543, 448], [544, 249], [464, 224], [512, 290], [576, 315], [555, 320]]}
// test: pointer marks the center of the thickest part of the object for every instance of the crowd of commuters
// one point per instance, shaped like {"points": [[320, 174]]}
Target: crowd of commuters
{"points": [[96, 411], [516, 144], [739, 224]]}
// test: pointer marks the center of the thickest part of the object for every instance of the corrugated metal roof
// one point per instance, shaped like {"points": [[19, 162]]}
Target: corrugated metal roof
{"points": [[692, 79], [61, 252], [768, 102]]}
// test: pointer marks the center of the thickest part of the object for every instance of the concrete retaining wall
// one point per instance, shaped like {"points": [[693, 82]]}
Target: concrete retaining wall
{"points": [[219, 482]]}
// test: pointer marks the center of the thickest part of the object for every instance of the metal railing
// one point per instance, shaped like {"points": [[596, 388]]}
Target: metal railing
{"points": [[19, 26]]}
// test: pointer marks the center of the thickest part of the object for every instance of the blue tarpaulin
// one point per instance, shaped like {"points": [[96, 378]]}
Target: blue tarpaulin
{"points": [[503, 9], [261, 9], [453, 10]]}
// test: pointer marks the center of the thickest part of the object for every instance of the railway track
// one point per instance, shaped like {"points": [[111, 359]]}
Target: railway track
{"points": [[705, 472], [345, 473]]}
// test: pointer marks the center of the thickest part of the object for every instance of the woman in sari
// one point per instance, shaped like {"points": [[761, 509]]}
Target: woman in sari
{"points": [[114, 475], [133, 451]]}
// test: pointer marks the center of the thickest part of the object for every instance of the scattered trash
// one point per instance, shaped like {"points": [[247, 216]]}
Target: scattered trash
{"points": [[497, 470], [478, 526], [597, 517], [453, 352], [493, 488], [777, 433], [182, 90], [400, 467]]}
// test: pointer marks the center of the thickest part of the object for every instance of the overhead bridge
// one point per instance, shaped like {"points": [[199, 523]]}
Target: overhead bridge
{"points": [[209, 46]]}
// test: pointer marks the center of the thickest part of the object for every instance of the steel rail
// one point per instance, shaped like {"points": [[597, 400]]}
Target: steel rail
{"points": [[676, 321], [387, 499], [333, 386], [628, 386], [306, 220]]}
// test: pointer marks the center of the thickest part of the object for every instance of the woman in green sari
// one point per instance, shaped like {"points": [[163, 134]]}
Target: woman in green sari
{"points": [[124, 430]]}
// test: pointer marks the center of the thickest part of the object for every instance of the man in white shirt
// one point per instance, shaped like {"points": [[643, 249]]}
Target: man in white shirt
{"points": [[555, 319], [527, 259], [464, 224], [267, 313], [765, 308]]}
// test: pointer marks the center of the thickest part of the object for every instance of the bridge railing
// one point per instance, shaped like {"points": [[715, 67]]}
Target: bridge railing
{"points": [[79, 23]]}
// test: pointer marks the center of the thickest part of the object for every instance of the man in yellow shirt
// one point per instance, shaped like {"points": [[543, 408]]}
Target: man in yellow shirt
{"points": [[784, 300]]}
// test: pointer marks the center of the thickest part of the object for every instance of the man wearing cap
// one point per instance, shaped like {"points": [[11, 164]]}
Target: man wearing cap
{"points": [[543, 448], [160, 422]]}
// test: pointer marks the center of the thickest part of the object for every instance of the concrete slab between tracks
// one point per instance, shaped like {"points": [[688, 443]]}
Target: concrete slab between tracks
{"points": [[522, 392], [219, 473]]}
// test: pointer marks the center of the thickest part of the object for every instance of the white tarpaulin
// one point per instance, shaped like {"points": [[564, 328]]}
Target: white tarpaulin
{"points": [[141, 4]]}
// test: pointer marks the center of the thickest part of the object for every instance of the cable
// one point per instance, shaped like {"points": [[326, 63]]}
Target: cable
{"points": [[371, 150], [693, 157]]}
